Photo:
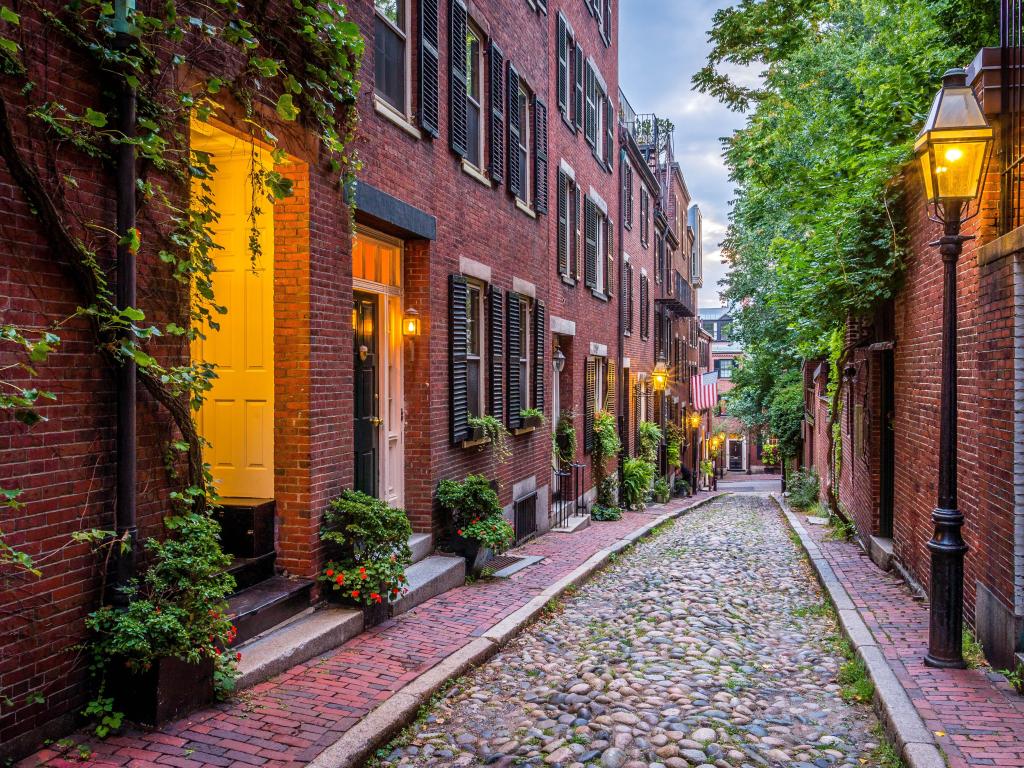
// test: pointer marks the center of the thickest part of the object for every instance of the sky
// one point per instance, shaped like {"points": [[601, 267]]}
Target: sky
{"points": [[662, 43]]}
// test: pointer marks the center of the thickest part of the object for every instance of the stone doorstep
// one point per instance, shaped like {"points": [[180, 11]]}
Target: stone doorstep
{"points": [[421, 544], [573, 524], [306, 636], [429, 578], [391, 715], [880, 552], [893, 704]]}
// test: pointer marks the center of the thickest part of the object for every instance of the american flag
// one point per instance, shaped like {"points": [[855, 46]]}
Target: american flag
{"points": [[704, 390]]}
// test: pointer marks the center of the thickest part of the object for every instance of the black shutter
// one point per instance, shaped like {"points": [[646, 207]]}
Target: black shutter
{"points": [[624, 193], [609, 132], [645, 307], [562, 42], [638, 396], [629, 299], [589, 393], [539, 367], [497, 114], [496, 336], [590, 108], [609, 261], [574, 224], [610, 394], [458, 77], [515, 173], [590, 246], [540, 154], [429, 67], [458, 385], [578, 88], [563, 224], [607, 30], [515, 401]]}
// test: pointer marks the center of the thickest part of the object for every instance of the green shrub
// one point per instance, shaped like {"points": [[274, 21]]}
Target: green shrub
{"points": [[661, 490], [471, 499], [649, 438], [368, 548], [565, 438], [804, 488], [605, 513], [492, 532], [637, 475]]}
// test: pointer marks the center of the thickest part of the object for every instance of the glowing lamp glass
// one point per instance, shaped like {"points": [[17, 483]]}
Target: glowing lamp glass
{"points": [[411, 323]]}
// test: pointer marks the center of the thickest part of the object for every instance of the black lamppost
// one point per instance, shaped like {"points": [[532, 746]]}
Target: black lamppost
{"points": [[953, 150], [695, 442]]}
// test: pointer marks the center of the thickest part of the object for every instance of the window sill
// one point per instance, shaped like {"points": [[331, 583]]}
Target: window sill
{"points": [[526, 209], [475, 173], [474, 443], [388, 112], [524, 430], [568, 280], [599, 295]]}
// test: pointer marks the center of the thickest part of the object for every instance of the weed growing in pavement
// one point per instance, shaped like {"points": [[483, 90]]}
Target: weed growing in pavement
{"points": [[406, 734], [974, 654], [814, 610], [853, 678], [1015, 677], [885, 754]]}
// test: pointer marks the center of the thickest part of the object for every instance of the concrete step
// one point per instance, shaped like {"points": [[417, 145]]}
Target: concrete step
{"points": [[421, 544], [573, 524], [293, 642], [429, 578], [266, 604]]}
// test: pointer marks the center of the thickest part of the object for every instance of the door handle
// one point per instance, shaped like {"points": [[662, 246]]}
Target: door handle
{"points": [[376, 421]]}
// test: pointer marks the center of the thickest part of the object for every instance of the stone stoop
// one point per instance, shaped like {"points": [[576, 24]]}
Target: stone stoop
{"points": [[429, 578], [573, 524], [293, 642], [421, 544]]}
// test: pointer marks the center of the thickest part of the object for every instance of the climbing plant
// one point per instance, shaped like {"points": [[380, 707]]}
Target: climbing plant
{"points": [[274, 65]]}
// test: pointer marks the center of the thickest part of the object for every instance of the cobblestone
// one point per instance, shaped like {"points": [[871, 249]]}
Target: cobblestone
{"points": [[694, 650]]}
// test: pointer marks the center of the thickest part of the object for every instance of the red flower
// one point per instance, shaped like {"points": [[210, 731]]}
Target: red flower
{"points": [[340, 579], [238, 657], [355, 593], [459, 531], [394, 591], [330, 571], [217, 651], [362, 576]]}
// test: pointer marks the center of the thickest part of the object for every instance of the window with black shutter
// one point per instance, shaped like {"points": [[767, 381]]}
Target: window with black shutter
{"points": [[457, 84], [576, 232], [638, 411], [589, 395], [513, 419], [429, 67], [496, 352], [627, 301], [609, 257], [590, 117], [627, 196], [458, 301], [609, 390], [645, 307], [590, 242], [609, 131], [577, 114], [606, 28], [515, 171], [562, 43], [497, 122], [475, 395], [390, 44], [563, 224], [540, 150], [539, 368]]}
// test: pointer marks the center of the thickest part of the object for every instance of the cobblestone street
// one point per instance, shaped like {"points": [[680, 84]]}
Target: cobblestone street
{"points": [[705, 645]]}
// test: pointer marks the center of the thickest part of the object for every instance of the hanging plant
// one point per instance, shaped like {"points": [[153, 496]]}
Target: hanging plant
{"points": [[497, 437]]}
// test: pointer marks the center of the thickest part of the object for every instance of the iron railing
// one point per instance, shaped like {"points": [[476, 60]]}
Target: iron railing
{"points": [[679, 296], [567, 497], [525, 520], [1011, 143]]}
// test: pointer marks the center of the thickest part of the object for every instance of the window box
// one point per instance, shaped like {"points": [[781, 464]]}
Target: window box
{"points": [[475, 439], [524, 430]]}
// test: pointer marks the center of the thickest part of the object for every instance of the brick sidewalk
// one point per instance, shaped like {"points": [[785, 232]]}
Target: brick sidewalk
{"points": [[287, 721], [975, 715]]}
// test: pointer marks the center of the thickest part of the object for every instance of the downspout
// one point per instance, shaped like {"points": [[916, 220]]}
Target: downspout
{"points": [[623, 378], [127, 490]]}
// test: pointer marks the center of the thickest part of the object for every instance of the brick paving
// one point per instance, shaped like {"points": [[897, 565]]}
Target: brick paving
{"points": [[288, 720], [975, 715]]}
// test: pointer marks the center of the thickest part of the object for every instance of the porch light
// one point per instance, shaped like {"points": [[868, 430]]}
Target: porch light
{"points": [[694, 420], [659, 376], [558, 361], [411, 323], [954, 146]]}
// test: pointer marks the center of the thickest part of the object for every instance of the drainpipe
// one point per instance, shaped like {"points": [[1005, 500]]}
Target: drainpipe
{"points": [[125, 520], [623, 379]]}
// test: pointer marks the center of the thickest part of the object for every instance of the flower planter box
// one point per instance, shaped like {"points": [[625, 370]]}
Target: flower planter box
{"points": [[372, 614], [532, 422], [476, 555], [166, 691]]}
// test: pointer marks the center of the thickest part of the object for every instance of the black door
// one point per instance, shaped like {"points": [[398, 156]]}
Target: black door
{"points": [[736, 455], [364, 324], [888, 452]]}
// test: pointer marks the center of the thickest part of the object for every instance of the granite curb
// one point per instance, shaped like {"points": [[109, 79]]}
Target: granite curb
{"points": [[903, 723], [390, 716]]}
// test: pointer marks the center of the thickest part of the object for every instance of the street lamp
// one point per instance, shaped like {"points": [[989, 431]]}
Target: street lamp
{"points": [[953, 150], [694, 423], [659, 376]]}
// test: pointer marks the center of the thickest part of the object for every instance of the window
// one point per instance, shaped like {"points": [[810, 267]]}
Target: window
{"points": [[645, 216], [568, 227], [474, 97], [659, 256], [525, 326], [390, 57], [645, 306], [525, 113], [566, 65], [627, 196], [601, 278], [627, 303], [474, 349], [724, 368], [600, 382]]}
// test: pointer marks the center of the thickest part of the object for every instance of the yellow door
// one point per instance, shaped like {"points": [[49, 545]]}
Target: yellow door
{"points": [[237, 417]]}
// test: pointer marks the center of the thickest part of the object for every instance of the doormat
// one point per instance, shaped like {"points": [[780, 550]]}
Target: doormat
{"points": [[503, 566]]}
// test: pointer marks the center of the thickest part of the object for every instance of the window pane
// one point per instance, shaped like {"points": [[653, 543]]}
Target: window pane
{"points": [[473, 132], [473, 322], [473, 65], [473, 382], [392, 10], [389, 64]]}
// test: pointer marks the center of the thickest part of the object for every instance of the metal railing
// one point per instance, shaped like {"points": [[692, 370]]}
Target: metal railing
{"points": [[566, 498], [525, 521], [1011, 143]]}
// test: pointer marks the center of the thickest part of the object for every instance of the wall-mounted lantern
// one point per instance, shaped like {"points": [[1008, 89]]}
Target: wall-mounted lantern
{"points": [[411, 323], [659, 376]]}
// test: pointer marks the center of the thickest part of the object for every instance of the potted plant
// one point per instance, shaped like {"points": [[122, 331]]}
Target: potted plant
{"points": [[707, 468], [770, 457], [368, 550], [681, 487], [662, 493], [491, 430], [565, 438], [476, 528], [637, 475], [606, 446], [531, 417], [156, 657]]}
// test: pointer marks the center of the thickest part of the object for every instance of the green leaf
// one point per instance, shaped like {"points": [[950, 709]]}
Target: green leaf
{"points": [[94, 118], [286, 109], [6, 14]]}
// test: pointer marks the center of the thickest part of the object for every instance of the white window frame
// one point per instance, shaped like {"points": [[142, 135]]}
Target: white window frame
{"points": [[406, 109], [525, 358], [600, 382], [601, 272], [474, 29], [481, 288], [526, 143]]}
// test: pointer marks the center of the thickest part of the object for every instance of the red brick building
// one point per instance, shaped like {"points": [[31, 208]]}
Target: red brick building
{"points": [[890, 402]]}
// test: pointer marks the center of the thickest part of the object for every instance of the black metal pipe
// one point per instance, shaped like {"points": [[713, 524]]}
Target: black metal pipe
{"points": [[946, 586], [623, 380], [125, 523]]}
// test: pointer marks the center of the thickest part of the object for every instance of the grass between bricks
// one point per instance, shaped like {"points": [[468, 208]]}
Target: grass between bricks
{"points": [[405, 735]]}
